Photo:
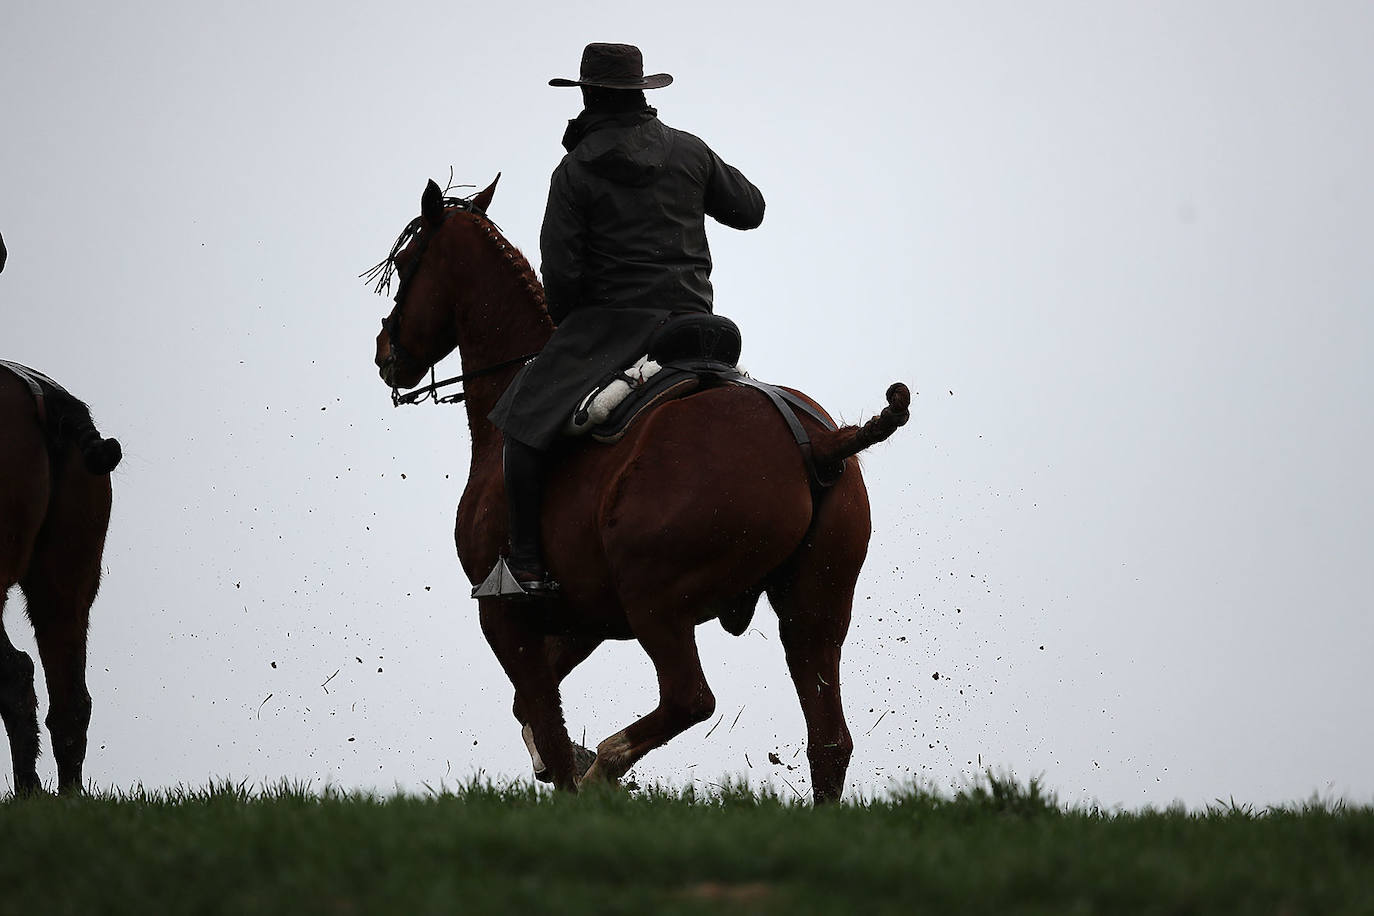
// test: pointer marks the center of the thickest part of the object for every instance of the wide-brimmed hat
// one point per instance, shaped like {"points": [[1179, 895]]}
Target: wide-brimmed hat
{"points": [[611, 66]]}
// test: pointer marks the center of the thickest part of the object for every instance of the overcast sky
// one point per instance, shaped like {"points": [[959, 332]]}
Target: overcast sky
{"points": [[1121, 250]]}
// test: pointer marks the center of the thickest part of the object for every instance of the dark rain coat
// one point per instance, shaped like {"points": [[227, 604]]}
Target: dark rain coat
{"points": [[623, 247]]}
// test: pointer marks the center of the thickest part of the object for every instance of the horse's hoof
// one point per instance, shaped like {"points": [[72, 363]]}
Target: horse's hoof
{"points": [[582, 762], [596, 777], [583, 758]]}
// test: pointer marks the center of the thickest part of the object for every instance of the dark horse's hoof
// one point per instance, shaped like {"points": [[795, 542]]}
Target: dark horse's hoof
{"points": [[582, 762]]}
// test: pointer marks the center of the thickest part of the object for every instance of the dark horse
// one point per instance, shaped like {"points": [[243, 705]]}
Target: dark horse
{"points": [[703, 505], [54, 509]]}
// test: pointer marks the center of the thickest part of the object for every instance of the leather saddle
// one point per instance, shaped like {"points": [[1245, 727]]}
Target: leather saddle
{"points": [[696, 351]]}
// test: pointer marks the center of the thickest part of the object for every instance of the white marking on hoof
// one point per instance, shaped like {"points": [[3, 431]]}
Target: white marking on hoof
{"points": [[528, 734], [613, 760]]}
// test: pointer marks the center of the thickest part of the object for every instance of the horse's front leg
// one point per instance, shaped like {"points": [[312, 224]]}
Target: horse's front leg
{"points": [[685, 698], [519, 647], [564, 653]]}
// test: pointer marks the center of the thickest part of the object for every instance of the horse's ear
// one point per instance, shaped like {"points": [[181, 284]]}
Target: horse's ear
{"points": [[483, 200], [432, 204]]}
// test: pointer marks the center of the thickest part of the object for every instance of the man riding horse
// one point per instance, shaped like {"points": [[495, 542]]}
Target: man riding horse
{"points": [[624, 248]]}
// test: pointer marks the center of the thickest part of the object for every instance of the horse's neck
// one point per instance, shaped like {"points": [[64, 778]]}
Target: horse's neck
{"points": [[511, 322], [482, 395]]}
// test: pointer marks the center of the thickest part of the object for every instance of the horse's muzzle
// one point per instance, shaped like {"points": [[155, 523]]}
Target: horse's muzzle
{"points": [[396, 372], [387, 370], [385, 358]]}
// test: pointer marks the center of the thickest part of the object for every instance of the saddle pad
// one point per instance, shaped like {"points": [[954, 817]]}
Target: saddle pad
{"points": [[667, 384], [597, 406]]}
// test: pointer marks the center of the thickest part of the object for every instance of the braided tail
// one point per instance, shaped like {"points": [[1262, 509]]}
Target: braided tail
{"points": [[834, 447], [100, 455]]}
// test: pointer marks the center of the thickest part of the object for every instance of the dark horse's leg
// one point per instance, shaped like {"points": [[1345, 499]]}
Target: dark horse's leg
{"points": [[19, 709], [564, 653], [684, 697], [60, 630], [61, 584], [519, 645], [813, 597]]}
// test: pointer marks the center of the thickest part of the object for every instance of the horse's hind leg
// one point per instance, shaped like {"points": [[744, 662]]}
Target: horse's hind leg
{"points": [[814, 599], [19, 709], [59, 626], [812, 639], [684, 697], [63, 578]]}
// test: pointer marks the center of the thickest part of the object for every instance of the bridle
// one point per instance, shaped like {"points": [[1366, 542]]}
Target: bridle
{"points": [[391, 324]]}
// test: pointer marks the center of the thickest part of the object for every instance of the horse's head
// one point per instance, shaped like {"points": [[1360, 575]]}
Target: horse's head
{"points": [[428, 259]]}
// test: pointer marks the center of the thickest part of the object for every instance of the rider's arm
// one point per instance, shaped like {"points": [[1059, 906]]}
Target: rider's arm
{"points": [[562, 243], [731, 198]]}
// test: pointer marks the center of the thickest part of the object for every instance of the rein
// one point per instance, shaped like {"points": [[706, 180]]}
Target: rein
{"points": [[431, 392]]}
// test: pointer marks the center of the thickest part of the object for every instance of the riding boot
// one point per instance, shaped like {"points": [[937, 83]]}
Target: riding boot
{"points": [[524, 471]]}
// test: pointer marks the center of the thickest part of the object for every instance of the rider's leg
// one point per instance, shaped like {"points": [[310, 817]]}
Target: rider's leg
{"points": [[524, 471]]}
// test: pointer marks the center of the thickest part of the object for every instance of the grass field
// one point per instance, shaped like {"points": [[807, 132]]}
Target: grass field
{"points": [[995, 847]]}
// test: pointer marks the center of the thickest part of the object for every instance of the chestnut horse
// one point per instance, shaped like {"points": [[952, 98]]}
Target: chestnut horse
{"points": [[700, 508], [54, 509]]}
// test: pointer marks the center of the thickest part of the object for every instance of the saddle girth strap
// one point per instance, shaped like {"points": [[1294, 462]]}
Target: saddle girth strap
{"points": [[784, 401]]}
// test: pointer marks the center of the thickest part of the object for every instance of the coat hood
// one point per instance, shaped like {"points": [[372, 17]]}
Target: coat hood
{"points": [[629, 149]]}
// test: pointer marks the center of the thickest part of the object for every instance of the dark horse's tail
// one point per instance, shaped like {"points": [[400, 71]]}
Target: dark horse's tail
{"points": [[69, 421], [833, 447]]}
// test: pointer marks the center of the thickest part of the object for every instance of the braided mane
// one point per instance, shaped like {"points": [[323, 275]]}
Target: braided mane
{"points": [[517, 261]]}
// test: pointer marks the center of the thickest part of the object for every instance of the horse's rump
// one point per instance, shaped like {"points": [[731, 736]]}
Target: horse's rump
{"points": [[66, 421]]}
